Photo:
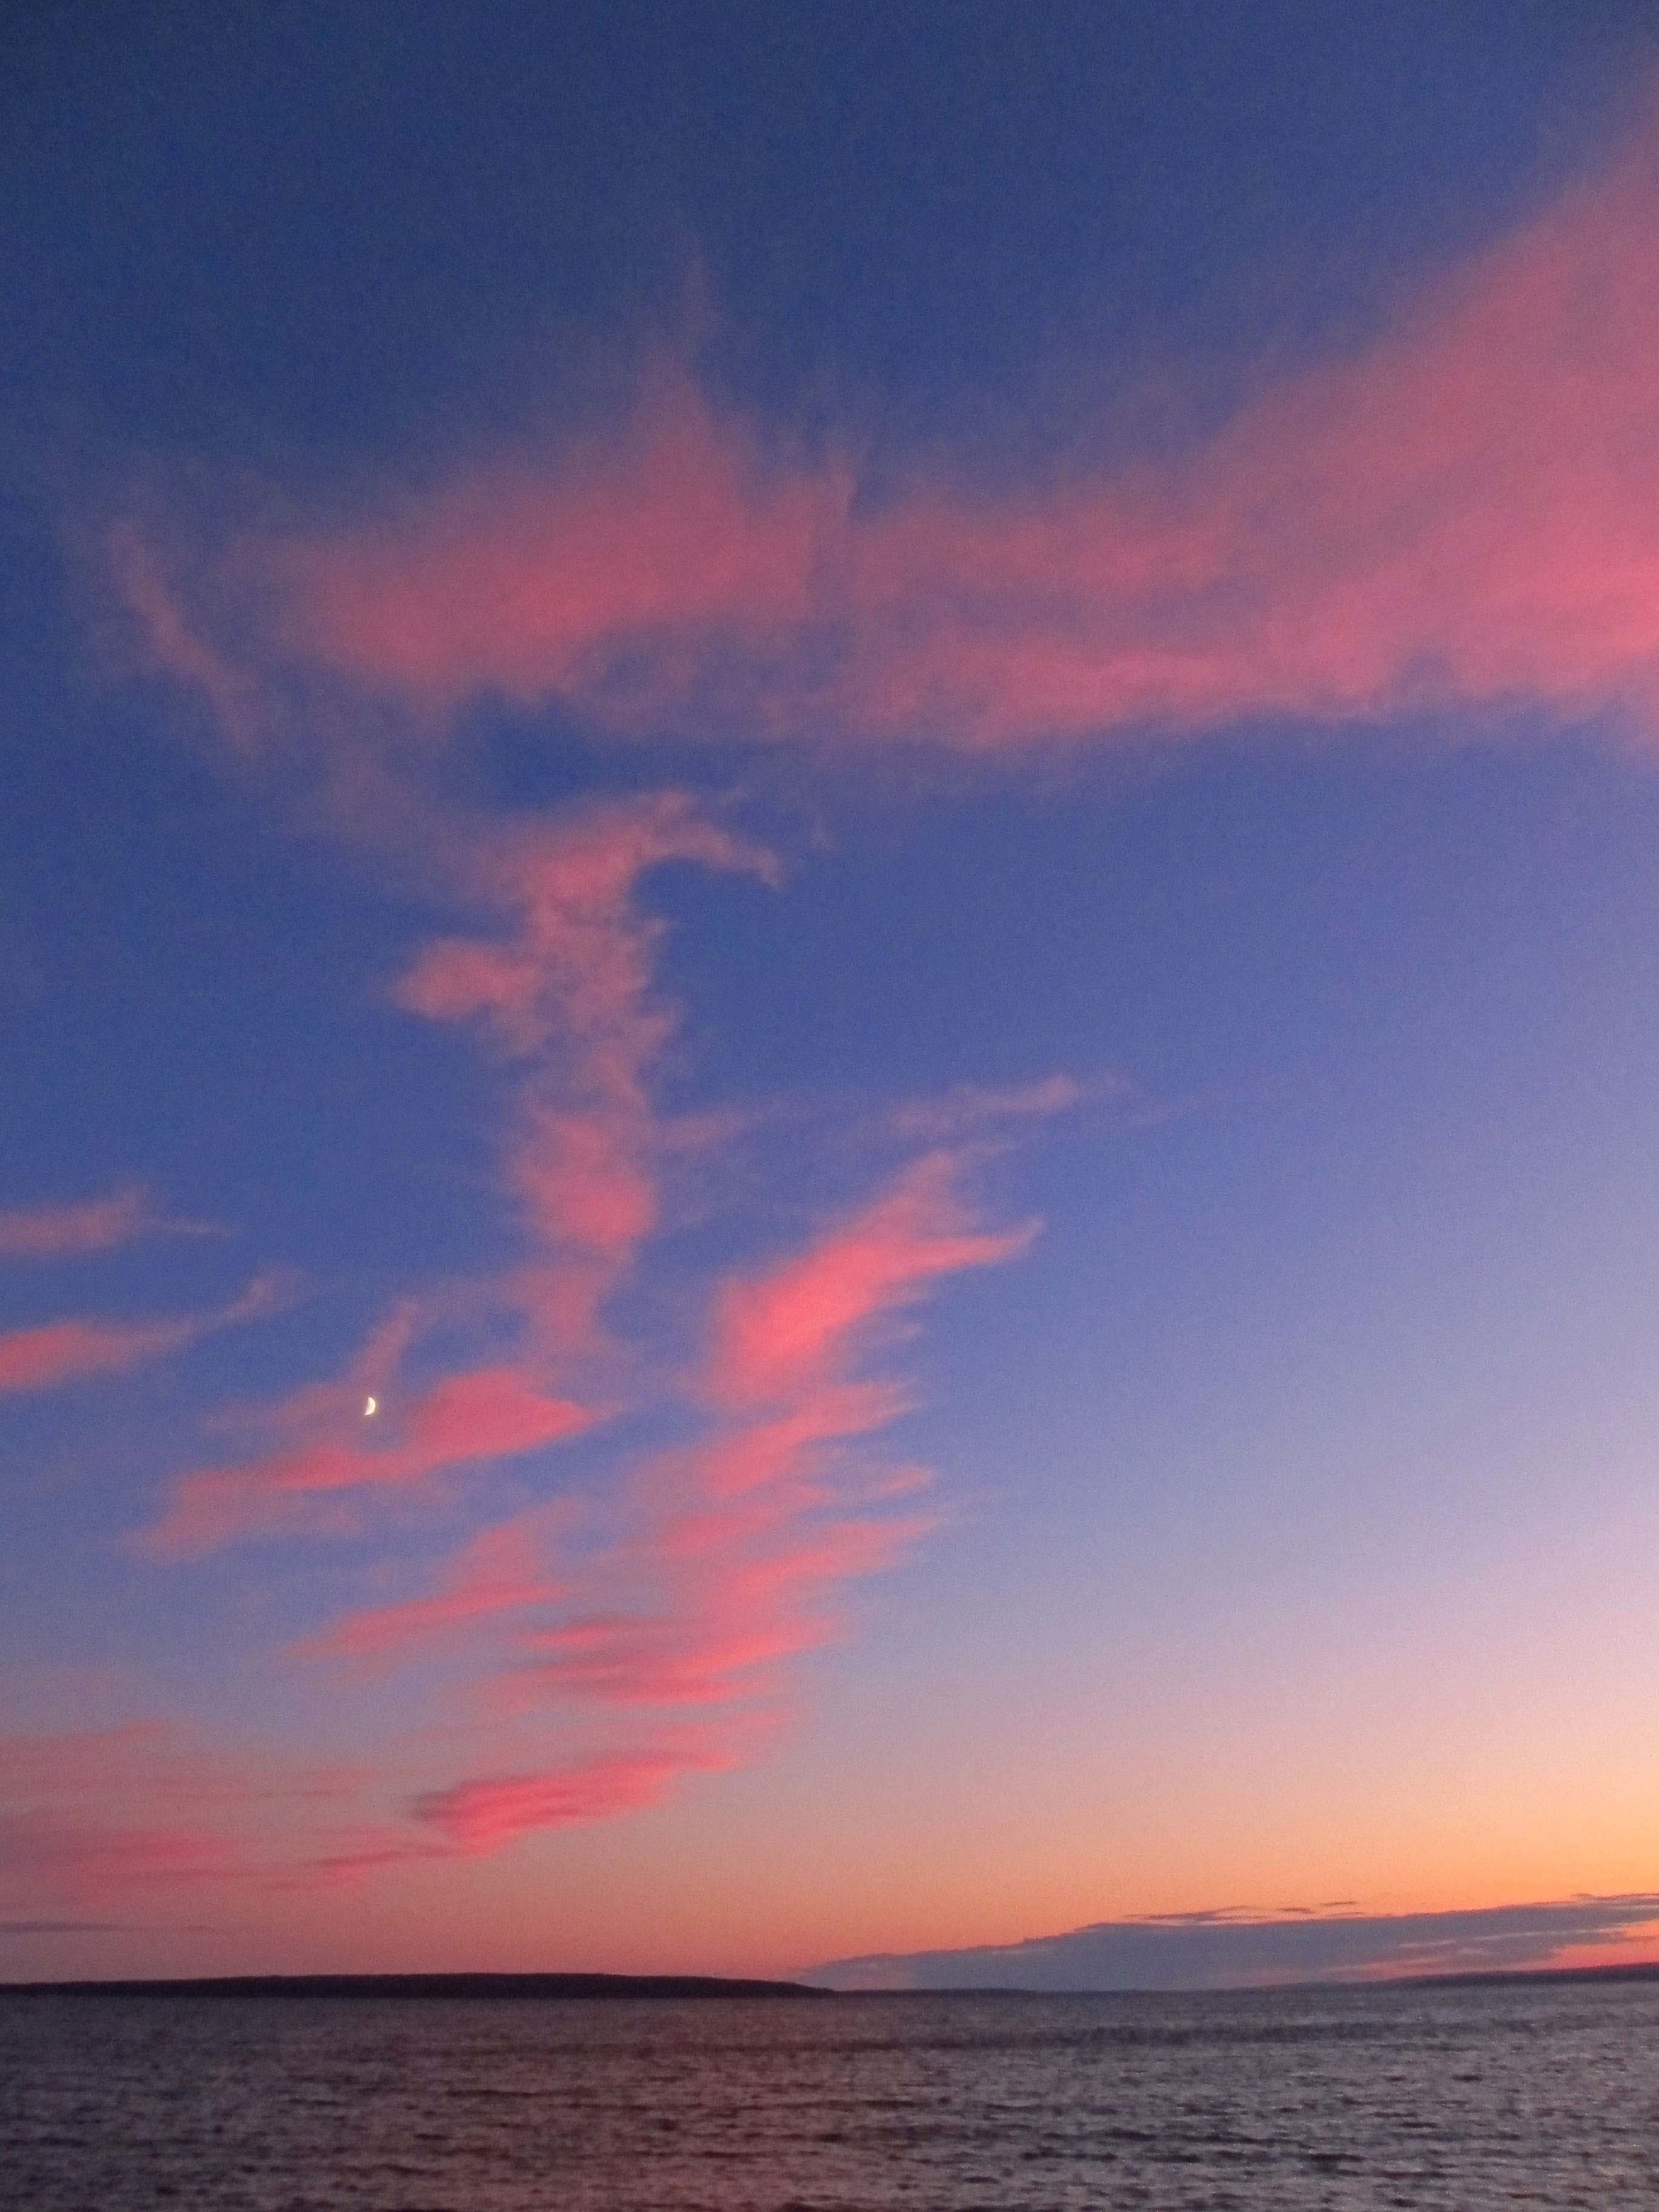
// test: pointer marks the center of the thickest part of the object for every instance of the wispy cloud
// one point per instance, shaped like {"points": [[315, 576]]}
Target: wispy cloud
{"points": [[94, 1818], [736, 1546], [1227, 1949], [979, 1109], [785, 1331], [721, 1560], [562, 992], [1461, 510], [90, 1224], [62, 1927], [94, 1857], [488, 1813], [564, 996], [500, 1573], [639, 1631], [482, 1415], [74, 1351]]}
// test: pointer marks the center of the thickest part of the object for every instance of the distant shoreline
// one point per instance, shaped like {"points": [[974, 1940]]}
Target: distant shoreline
{"points": [[544, 1987], [591, 1987], [1643, 1971]]}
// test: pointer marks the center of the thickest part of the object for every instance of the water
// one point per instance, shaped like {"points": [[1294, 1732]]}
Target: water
{"points": [[1461, 2099]]}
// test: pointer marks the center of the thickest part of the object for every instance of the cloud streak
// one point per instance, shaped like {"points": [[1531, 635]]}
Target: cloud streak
{"points": [[1460, 510], [564, 996], [480, 1416], [485, 1815], [670, 1629], [89, 1224], [61, 1928], [737, 1543], [501, 1572], [639, 1631], [76, 1350], [90, 1818], [783, 1332], [1212, 1950]]}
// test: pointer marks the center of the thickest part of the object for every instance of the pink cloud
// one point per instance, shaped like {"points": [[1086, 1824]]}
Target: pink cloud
{"points": [[1461, 510], [714, 1565], [759, 1455], [56, 1353], [743, 1538], [88, 1224], [732, 1543], [714, 1597], [738, 1542], [578, 967], [733, 1617], [94, 1862], [729, 1553], [778, 1331], [526, 580], [483, 1814], [104, 1816], [486, 1414], [582, 1181], [566, 995], [705, 1606], [70, 1350], [500, 1572]]}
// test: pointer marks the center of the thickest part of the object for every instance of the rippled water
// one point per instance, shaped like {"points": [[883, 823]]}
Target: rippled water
{"points": [[1461, 2099]]}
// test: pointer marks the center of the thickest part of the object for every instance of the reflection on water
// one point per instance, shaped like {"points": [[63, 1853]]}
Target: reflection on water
{"points": [[1461, 2099]]}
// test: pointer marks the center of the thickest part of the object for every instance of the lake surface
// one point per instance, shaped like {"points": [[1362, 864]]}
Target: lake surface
{"points": [[1461, 2099]]}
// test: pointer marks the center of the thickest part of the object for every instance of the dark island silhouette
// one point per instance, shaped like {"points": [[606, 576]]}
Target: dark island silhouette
{"points": [[586, 1986]]}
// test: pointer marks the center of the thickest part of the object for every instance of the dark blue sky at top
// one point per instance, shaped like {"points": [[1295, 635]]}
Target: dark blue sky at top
{"points": [[308, 240], [255, 234]]}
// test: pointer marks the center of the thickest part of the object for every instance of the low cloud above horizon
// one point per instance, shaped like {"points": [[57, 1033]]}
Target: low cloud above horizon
{"points": [[1234, 1950]]}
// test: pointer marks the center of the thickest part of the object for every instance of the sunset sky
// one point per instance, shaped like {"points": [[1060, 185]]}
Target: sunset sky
{"points": [[829, 940]]}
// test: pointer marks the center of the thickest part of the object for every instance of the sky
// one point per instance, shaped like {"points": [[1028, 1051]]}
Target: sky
{"points": [[829, 913]]}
